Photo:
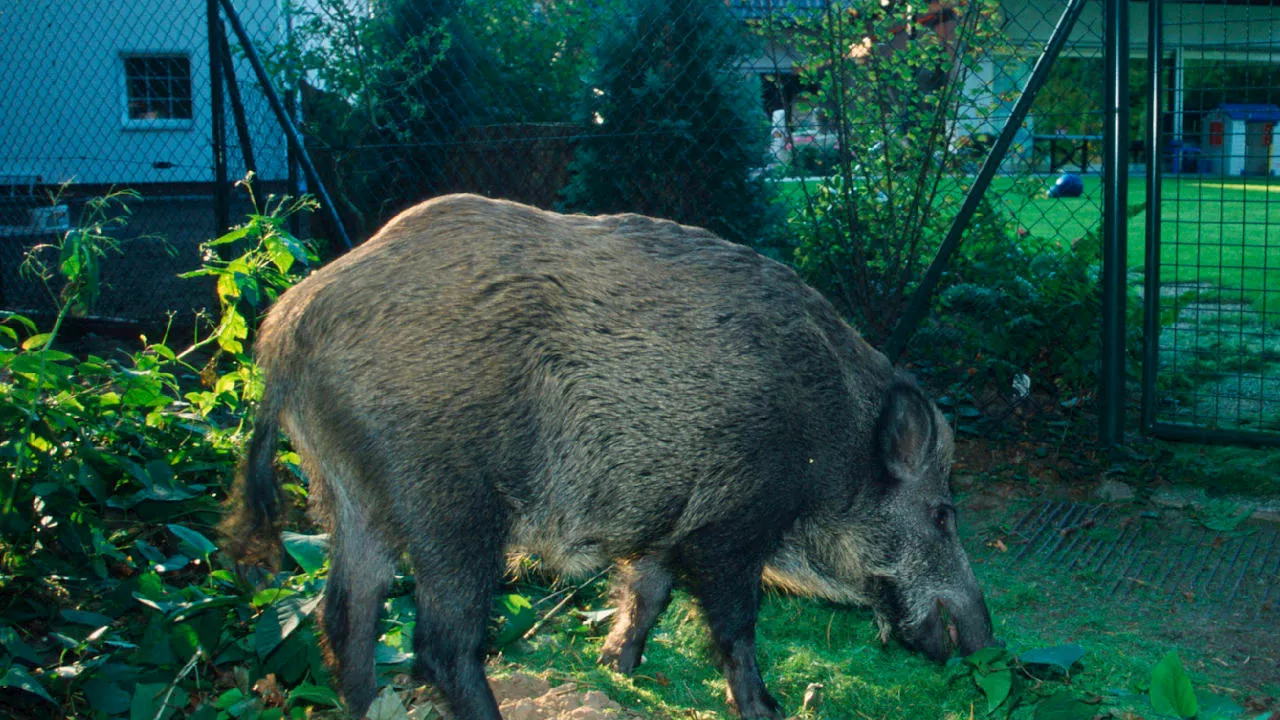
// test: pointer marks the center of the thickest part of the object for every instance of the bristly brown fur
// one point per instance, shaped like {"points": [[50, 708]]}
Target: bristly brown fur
{"points": [[482, 375], [248, 536]]}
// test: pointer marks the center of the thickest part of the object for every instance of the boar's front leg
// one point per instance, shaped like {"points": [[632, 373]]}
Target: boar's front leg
{"points": [[727, 584], [642, 589]]}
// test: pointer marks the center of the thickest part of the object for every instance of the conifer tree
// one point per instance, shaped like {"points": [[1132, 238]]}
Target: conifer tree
{"points": [[676, 127]]}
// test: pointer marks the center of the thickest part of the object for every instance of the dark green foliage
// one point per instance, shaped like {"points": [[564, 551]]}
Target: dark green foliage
{"points": [[112, 468], [424, 92], [1018, 306], [538, 53], [674, 128], [394, 86]]}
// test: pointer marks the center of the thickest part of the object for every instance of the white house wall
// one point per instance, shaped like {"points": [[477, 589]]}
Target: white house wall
{"points": [[62, 92], [990, 92]]}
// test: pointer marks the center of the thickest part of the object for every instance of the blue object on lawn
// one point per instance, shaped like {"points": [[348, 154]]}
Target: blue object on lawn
{"points": [[1068, 185]]}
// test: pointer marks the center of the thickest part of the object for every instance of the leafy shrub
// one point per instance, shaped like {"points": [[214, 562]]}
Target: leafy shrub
{"points": [[112, 467], [893, 99], [383, 93], [813, 159], [538, 53], [1023, 316]]}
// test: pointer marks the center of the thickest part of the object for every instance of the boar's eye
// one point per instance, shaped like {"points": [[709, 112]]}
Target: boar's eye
{"points": [[944, 517]]}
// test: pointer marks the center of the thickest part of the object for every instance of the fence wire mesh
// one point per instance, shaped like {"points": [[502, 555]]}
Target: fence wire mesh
{"points": [[1218, 368], [839, 136]]}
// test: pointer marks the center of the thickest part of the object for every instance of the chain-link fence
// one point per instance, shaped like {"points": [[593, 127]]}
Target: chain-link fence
{"points": [[100, 95], [1214, 368], [840, 136]]}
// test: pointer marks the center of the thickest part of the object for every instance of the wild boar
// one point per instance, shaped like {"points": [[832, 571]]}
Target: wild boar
{"points": [[481, 376]]}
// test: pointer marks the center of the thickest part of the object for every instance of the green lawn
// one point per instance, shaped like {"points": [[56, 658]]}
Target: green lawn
{"points": [[1216, 233], [804, 641]]}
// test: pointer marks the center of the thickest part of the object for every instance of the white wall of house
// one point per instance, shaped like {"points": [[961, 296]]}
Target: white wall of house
{"points": [[63, 109], [990, 92]]}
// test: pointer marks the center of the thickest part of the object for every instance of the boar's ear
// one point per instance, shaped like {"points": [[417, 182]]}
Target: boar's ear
{"points": [[906, 430]]}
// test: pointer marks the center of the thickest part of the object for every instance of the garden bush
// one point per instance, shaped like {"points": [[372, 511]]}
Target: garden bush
{"points": [[865, 231], [111, 591]]}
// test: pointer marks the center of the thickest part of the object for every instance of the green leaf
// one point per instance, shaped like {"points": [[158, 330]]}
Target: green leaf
{"points": [[314, 694], [228, 291], [230, 236], [1222, 515], [152, 700], [188, 610], [1063, 706], [13, 643], [1217, 706], [989, 658], [1061, 657], [229, 699], [266, 596], [81, 617], [199, 544], [309, 551], [105, 696], [281, 619], [1171, 691], [35, 341], [517, 617], [282, 256], [385, 654], [19, 678], [232, 331], [996, 686], [289, 660]]}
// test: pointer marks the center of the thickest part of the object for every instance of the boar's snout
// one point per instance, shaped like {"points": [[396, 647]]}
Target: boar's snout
{"points": [[963, 626]]}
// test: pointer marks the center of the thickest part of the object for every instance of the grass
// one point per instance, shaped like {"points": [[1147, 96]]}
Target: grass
{"points": [[1214, 232], [803, 641]]}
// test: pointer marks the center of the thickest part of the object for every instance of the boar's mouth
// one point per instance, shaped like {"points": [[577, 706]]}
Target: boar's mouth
{"points": [[945, 629]]}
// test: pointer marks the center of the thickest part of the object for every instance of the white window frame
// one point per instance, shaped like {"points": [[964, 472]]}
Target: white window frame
{"points": [[131, 123]]}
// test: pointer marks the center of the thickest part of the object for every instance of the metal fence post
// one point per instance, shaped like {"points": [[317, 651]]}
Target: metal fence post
{"points": [[237, 104], [286, 123], [1115, 168], [221, 187], [1151, 284]]}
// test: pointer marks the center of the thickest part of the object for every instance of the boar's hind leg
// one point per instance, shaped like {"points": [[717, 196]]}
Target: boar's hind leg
{"points": [[455, 582], [642, 589], [360, 573], [728, 588]]}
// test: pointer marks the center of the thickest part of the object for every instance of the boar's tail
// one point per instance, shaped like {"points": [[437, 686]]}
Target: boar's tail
{"points": [[251, 530]]}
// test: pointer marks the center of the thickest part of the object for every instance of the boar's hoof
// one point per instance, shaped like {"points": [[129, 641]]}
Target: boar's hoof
{"points": [[762, 706], [623, 658]]}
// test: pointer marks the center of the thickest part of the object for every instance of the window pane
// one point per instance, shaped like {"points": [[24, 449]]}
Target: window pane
{"points": [[133, 67], [158, 87]]}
